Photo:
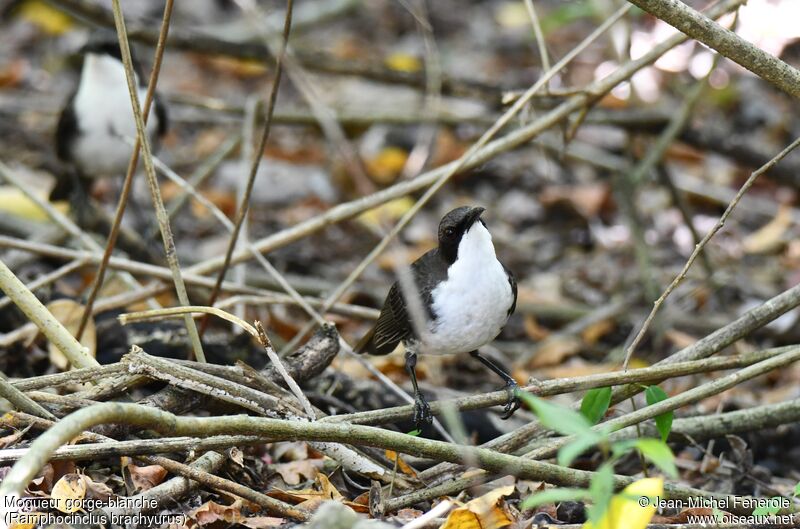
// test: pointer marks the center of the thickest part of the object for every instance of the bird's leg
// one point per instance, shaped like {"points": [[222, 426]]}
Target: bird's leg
{"points": [[422, 411], [513, 403]]}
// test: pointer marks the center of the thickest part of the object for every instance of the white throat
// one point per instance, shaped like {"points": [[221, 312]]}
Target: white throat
{"points": [[472, 304], [476, 248]]}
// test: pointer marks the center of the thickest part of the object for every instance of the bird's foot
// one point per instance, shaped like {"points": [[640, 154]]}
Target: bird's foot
{"points": [[422, 412], [513, 403]]}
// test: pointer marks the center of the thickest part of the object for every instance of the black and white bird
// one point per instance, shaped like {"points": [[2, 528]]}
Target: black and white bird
{"points": [[467, 295], [96, 125]]}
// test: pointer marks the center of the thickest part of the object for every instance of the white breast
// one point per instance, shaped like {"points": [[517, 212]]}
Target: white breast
{"points": [[472, 305], [104, 116]]}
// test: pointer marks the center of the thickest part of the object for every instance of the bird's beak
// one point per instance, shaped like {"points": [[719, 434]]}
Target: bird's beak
{"points": [[474, 214]]}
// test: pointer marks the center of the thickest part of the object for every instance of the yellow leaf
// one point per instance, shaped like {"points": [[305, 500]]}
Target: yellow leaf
{"points": [[386, 166], [770, 236], [51, 20], [69, 313], [69, 492], [403, 62], [14, 202], [512, 15], [391, 211], [625, 511], [482, 512], [401, 464]]}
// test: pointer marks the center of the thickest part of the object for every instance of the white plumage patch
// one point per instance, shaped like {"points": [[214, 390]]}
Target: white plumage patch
{"points": [[471, 306], [104, 117]]}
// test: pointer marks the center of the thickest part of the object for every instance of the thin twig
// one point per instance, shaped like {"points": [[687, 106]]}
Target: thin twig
{"points": [[150, 172], [127, 184], [539, 34], [258, 154], [158, 314]]}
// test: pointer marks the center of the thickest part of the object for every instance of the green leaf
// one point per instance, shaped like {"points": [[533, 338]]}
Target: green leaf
{"points": [[655, 394], [797, 489], [558, 418], [568, 453], [554, 496], [719, 515], [414, 433], [659, 454], [595, 404], [772, 506], [601, 490]]}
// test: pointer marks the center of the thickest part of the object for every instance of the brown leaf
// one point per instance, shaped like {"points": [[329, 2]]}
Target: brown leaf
{"points": [[236, 455], [293, 471], [592, 334], [211, 512], [587, 199], [555, 349], [145, 478], [769, 237]]}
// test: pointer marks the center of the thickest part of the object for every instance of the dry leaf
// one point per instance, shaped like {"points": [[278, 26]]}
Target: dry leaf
{"points": [[14, 202], [769, 237], [587, 199], [388, 212], [236, 455], [403, 62], [145, 478], [385, 167], [69, 313], [293, 471], [211, 512], [512, 15], [532, 328], [402, 465], [69, 492], [592, 334], [481, 513], [555, 349], [49, 19]]}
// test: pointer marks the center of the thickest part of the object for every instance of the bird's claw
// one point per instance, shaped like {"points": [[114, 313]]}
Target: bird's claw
{"points": [[422, 412], [513, 403]]}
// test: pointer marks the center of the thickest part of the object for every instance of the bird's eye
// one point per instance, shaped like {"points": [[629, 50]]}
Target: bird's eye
{"points": [[449, 232]]}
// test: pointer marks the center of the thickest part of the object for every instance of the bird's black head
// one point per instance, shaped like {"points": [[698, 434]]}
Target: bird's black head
{"points": [[453, 226], [103, 45]]}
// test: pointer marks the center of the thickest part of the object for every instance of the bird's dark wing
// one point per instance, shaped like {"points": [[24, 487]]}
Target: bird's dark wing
{"points": [[161, 115], [66, 130], [394, 323], [513, 282]]}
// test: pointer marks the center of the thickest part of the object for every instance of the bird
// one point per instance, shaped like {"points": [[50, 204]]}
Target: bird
{"points": [[95, 126], [467, 296]]}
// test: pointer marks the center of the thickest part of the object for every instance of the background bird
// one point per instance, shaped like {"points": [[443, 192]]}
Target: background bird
{"points": [[97, 124], [467, 296]]}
